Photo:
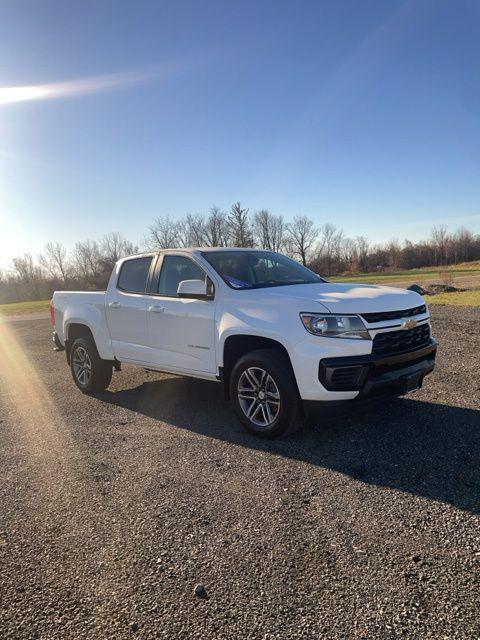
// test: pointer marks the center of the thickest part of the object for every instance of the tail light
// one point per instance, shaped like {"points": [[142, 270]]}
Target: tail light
{"points": [[52, 313]]}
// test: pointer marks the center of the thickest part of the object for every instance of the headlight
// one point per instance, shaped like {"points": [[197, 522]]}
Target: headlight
{"points": [[335, 326]]}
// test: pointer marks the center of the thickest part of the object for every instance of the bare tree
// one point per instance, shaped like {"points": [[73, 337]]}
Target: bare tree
{"points": [[329, 248], [362, 247], [347, 253], [240, 232], [394, 252], [164, 233], [216, 228], [29, 276], [462, 243], [439, 238], [302, 234], [87, 261], [269, 230], [54, 261], [114, 246], [192, 230]]}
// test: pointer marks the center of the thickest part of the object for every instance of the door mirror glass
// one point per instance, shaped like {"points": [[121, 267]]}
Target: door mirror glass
{"points": [[192, 289]]}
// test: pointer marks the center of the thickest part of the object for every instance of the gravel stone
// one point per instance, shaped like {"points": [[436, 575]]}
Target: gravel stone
{"points": [[113, 506], [200, 591]]}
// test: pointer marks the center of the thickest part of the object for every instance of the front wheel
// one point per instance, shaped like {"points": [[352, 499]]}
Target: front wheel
{"points": [[264, 393], [90, 373]]}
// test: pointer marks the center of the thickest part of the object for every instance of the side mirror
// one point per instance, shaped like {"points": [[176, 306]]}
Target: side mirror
{"points": [[195, 289]]}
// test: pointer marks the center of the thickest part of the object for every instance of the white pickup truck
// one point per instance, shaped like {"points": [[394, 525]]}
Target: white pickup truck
{"points": [[281, 339]]}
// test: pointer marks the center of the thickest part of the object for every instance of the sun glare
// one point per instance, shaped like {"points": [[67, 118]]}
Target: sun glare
{"points": [[37, 420], [20, 94], [80, 86]]}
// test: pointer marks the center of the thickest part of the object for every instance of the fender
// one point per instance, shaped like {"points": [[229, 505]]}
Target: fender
{"points": [[263, 315], [94, 318], [231, 324]]}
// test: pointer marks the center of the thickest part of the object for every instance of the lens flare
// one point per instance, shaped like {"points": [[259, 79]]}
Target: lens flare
{"points": [[19, 94], [24, 395], [70, 88], [84, 86]]}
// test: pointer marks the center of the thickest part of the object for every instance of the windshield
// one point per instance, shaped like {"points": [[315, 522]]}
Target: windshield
{"points": [[256, 269]]}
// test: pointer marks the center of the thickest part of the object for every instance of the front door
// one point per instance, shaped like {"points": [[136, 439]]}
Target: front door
{"points": [[181, 331]]}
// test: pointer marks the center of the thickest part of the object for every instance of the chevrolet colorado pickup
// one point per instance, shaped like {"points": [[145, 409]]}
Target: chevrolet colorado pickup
{"points": [[281, 339]]}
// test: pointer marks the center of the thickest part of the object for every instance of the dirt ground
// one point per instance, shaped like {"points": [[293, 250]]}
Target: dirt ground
{"points": [[113, 508]]}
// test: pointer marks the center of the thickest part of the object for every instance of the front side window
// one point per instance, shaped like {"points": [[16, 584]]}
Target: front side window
{"points": [[255, 269], [134, 274], [174, 270]]}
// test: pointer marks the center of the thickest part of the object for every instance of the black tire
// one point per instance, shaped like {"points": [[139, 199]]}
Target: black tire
{"points": [[286, 414], [95, 374]]}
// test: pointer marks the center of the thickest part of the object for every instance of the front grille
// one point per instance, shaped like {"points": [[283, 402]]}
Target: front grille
{"points": [[403, 340], [393, 315]]}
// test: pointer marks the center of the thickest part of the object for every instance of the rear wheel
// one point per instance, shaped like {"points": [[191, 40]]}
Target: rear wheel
{"points": [[90, 373], [264, 393]]}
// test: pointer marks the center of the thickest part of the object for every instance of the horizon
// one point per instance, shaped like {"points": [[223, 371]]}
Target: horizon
{"points": [[363, 116], [147, 245]]}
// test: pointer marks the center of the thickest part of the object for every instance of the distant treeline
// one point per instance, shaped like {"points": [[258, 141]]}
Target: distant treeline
{"points": [[324, 248]]}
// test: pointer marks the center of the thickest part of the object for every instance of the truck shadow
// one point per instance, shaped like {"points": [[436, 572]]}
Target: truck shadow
{"points": [[427, 449]]}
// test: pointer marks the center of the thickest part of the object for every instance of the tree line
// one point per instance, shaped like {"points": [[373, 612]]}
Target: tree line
{"points": [[324, 248]]}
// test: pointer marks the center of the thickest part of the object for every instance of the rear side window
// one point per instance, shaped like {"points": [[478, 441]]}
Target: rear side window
{"points": [[133, 275], [174, 270]]}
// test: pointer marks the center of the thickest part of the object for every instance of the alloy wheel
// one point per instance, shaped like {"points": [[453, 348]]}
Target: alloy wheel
{"points": [[82, 366], [258, 396]]}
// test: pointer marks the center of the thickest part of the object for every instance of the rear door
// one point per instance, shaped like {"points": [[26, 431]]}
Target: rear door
{"points": [[126, 309], [181, 331]]}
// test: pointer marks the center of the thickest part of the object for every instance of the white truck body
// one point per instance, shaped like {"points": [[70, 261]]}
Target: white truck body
{"points": [[188, 336]]}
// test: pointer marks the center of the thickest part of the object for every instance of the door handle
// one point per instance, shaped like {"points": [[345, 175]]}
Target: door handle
{"points": [[156, 308], [114, 305]]}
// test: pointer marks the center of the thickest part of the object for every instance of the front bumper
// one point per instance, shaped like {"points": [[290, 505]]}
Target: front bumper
{"points": [[371, 375], [369, 372]]}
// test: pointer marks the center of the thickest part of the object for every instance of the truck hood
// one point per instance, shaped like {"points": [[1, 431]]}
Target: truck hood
{"points": [[349, 297]]}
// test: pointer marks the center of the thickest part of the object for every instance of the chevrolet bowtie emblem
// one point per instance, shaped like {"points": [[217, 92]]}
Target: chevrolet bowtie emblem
{"points": [[409, 324]]}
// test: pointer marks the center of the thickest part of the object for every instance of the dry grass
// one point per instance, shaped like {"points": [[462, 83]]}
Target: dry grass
{"points": [[20, 308], [457, 298], [424, 274]]}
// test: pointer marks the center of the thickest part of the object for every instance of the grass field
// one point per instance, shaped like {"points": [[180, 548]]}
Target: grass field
{"points": [[456, 299], [19, 308], [417, 275]]}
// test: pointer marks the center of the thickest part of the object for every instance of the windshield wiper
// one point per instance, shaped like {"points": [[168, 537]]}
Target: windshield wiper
{"points": [[276, 283]]}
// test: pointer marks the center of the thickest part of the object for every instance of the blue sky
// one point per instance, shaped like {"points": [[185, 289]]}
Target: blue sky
{"points": [[365, 114]]}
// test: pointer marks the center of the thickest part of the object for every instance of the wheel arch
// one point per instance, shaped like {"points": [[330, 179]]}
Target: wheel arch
{"points": [[238, 345], [74, 330]]}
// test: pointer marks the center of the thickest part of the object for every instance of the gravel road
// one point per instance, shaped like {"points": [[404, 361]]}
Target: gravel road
{"points": [[114, 508]]}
